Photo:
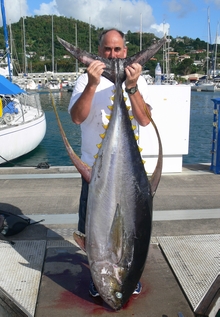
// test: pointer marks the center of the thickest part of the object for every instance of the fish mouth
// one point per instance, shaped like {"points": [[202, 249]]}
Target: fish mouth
{"points": [[113, 304]]}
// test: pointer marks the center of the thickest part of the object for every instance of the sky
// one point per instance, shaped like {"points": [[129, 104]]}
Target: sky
{"points": [[173, 17]]}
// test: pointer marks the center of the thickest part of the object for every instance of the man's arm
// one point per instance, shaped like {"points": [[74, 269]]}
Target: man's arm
{"points": [[81, 108], [138, 104]]}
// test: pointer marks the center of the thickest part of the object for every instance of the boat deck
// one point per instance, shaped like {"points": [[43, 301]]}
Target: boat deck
{"points": [[46, 274]]}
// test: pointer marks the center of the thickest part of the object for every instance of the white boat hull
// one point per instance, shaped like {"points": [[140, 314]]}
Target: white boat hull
{"points": [[16, 141], [204, 87]]}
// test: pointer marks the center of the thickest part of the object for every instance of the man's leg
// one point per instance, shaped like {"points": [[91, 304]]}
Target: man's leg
{"points": [[83, 206], [79, 236]]}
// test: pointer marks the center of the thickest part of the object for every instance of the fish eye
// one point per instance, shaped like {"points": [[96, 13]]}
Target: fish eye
{"points": [[118, 295]]}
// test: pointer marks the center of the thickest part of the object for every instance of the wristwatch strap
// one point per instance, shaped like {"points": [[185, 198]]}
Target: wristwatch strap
{"points": [[131, 90]]}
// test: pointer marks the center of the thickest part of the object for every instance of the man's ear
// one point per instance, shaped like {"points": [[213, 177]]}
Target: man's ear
{"points": [[125, 51]]}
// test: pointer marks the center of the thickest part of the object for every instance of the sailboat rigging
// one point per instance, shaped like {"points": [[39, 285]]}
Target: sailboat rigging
{"points": [[6, 39]]}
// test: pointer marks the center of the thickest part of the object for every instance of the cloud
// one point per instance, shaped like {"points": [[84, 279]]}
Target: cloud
{"points": [[216, 2], [47, 9], [160, 29], [180, 7], [123, 14], [14, 9]]}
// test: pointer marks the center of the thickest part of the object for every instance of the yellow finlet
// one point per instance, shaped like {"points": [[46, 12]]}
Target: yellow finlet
{"points": [[108, 116], [110, 108], [105, 126], [136, 137], [96, 156], [112, 98], [131, 117], [128, 108], [102, 136], [133, 127], [99, 145], [140, 149], [143, 161]]}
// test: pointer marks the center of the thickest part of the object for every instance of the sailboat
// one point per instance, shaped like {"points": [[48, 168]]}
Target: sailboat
{"points": [[22, 120], [206, 85]]}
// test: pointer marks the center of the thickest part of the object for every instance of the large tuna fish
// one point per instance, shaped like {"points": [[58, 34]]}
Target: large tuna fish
{"points": [[119, 209]]}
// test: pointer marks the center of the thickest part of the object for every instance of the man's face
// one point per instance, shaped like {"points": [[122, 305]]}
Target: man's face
{"points": [[112, 46]]}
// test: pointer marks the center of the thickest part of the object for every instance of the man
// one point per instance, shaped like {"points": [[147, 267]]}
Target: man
{"points": [[89, 107]]}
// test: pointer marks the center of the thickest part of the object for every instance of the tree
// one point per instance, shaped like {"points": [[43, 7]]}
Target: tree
{"points": [[185, 67]]}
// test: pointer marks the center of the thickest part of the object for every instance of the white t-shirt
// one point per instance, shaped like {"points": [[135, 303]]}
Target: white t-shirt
{"points": [[92, 126]]}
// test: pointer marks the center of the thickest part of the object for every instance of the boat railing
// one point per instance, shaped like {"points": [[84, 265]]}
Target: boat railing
{"points": [[20, 108], [30, 99]]}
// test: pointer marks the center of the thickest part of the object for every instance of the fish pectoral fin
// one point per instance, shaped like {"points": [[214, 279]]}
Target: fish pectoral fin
{"points": [[116, 236], [80, 239], [155, 178], [83, 168]]}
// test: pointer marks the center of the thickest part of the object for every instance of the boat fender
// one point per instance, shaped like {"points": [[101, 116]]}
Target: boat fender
{"points": [[12, 224], [8, 118]]}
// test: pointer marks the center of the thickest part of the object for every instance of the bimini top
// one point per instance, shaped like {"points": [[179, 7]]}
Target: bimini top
{"points": [[8, 88]]}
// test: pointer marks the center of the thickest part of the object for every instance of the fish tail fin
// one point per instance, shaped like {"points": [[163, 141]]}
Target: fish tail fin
{"points": [[143, 56], [87, 58]]}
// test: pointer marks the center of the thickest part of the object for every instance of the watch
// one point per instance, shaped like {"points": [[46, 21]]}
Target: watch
{"points": [[132, 90]]}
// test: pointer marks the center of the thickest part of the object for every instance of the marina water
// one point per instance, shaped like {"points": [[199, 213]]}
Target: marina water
{"points": [[52, 150]]}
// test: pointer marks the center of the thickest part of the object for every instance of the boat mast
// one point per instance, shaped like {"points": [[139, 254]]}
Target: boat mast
{"points": [[52, 48], [25, 57], [216, 48], [89, 35], [6, 39], [141, 32], [76, 44], [208, 40]]}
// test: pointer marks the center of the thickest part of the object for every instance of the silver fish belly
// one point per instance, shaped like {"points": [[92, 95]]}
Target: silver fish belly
{"points": [[119, 209]]}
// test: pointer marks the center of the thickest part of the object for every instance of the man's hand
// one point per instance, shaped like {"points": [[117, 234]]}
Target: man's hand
{"points": [[132, 72], [95, 71]]}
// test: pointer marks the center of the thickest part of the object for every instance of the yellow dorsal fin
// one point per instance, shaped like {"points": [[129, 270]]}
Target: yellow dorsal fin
{"points": [[108, 116], [99, 145], [102, 135]]}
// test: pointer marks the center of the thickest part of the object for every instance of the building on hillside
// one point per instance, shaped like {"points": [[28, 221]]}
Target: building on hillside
{"points": [[66, 56], [179, 39], [198, 63], [182, 57]]}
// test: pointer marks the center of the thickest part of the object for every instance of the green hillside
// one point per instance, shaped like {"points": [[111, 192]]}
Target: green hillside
{"points": [[38, 40]]}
